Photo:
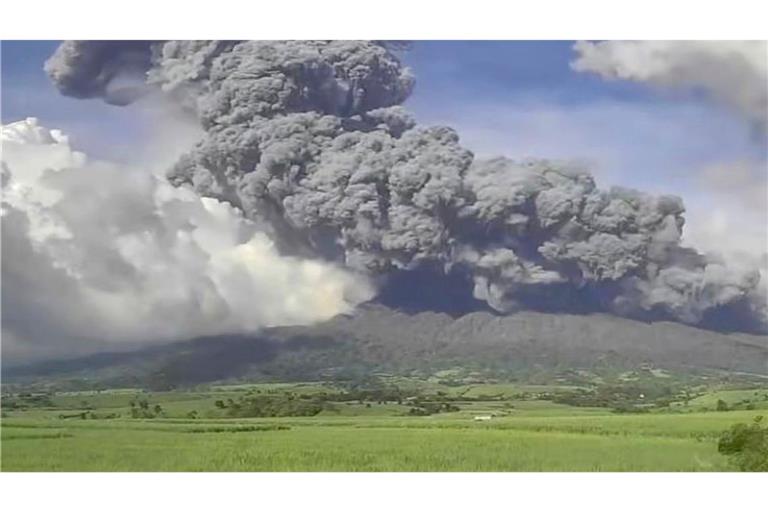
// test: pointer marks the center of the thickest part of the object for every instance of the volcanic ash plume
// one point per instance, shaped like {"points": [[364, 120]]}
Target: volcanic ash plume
{"points": [[307, 138]]}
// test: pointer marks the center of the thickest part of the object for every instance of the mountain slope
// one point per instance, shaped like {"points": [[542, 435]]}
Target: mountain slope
{"points": [[537, 338], [377, 338]]}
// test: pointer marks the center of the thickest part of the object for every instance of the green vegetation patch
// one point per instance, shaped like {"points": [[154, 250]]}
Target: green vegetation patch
{"points": [[454, 421]]}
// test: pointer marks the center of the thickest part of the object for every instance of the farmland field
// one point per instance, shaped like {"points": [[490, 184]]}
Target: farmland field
{"points": [[498, 427]]}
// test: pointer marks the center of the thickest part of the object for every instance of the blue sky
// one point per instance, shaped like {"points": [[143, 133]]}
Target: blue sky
{"points": [[522, 99], [518, 98], [98, 129]]}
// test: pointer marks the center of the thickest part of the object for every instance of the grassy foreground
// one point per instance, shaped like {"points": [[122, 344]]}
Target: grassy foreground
{"points": [[521, 430], [576, 443]]}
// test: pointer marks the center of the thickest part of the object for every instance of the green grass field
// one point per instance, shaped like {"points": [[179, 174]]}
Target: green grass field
{"points": [[528, 434], [358, 447]]}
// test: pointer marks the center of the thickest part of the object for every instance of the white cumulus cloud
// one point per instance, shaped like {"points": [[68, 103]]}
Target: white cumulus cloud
{"points": [[97, 255], [732, 72]]}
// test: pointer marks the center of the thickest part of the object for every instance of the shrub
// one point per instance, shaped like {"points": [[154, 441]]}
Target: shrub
{"points": [[747, 445]]}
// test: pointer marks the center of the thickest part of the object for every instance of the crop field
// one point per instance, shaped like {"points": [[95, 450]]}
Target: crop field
{"points": [[486, 427]]}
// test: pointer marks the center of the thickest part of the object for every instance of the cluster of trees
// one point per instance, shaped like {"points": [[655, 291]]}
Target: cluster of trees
{"points": [[256, 406], [428, 408], [27, 401], [90, 415], [722, 405], [619, 397], [277, 404], [747, 445], [422, 405], [379, 394], [142, 409], [392, 394]]}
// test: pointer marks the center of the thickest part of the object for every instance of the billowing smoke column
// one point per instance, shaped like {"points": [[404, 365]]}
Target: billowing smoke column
{"points": [[308, 138]]}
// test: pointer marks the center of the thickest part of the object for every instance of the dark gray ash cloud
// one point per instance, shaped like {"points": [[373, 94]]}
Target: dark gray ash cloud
{"points": [[113, 70], [309, 139]]}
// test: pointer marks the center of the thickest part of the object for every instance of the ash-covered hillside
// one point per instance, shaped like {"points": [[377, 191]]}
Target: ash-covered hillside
{"points": [[377, 338]]}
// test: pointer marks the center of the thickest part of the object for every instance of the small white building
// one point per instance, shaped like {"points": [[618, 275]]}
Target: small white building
{"points": [[483, 417]]}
